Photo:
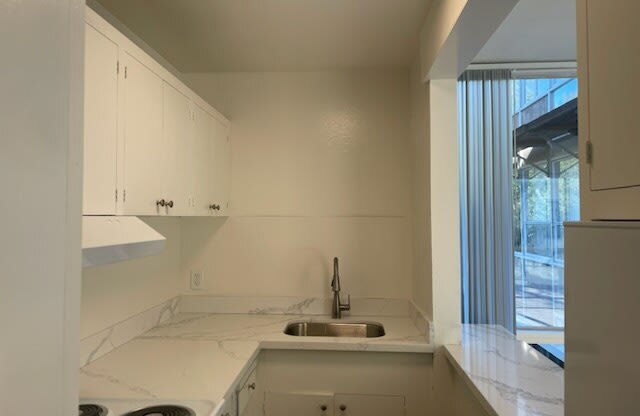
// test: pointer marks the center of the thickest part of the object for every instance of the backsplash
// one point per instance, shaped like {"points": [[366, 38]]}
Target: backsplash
{"points": [[285, 305], [100, 343]]}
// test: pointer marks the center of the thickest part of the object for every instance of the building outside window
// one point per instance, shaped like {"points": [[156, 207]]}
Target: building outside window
{"points": [[545, 194]]}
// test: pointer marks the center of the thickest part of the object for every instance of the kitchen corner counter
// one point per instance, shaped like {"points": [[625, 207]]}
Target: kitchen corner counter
{"points": [[509, 377], [202, 356]]}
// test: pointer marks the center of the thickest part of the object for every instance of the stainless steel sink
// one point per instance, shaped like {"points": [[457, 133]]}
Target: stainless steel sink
{"points": [[335, 329]]}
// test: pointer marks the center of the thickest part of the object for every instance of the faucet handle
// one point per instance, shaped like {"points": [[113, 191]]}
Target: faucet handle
{"points": [[346, 306]]}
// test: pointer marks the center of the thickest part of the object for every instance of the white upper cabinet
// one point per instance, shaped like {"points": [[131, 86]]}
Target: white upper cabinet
{"points": [[613, 90], [608, 67], [143, 140], [152, 146], [220, 169], [176, 131], [201, 133], [100, 124]]}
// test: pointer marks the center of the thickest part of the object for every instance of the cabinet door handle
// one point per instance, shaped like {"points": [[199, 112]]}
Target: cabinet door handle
{"points": [[343, 407], [170, 204], [252, 386], [161, 203], [214, 207]]}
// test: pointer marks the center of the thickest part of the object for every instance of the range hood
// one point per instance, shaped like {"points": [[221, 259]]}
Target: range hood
{"points": [[113, 239]]}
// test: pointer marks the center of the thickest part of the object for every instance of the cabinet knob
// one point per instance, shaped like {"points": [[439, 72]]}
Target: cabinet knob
{"points": [[252, 386], [170, 204], [323, 407], [343, 407], [161, 203]]}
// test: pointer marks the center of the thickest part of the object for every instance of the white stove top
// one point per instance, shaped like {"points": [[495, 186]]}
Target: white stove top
{"points": [[119, 407]]}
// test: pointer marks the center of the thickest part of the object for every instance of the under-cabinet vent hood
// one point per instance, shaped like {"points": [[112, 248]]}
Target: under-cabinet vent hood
{"points": [[113, 239]]}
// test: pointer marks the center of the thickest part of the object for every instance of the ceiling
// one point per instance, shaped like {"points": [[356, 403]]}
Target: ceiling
{"points": [[276, 35], [535, 31]]}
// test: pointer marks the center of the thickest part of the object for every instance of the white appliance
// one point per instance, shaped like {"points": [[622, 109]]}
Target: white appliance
{"points": [[148, 407], [602, 289]]}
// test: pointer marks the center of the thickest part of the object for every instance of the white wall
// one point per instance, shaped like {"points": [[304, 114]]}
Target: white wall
{"points": [[421, 190], [320, 168], [114, 292], [445, 210], [40, 178]]}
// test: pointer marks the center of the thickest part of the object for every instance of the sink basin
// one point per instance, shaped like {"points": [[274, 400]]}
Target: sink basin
{"points": [[335, 329]]}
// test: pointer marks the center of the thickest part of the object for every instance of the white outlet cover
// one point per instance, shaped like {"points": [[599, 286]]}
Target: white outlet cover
{"points": [[196, 280]]}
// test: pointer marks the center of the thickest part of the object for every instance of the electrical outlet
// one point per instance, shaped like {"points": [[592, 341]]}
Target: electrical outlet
{"points": [[197, 280]]}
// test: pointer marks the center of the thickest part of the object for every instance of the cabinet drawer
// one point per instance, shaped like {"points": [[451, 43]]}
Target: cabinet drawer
{"points": [[246, 390]]}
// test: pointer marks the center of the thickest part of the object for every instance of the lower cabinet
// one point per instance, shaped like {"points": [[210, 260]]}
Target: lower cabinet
{"points": [[245, 391], [363, 405], [285, 404], [281, 404]]}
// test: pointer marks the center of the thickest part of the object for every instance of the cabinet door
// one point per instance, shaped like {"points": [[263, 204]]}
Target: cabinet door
{"points": [[365, 405], [143, 141], [199, 160], [613, 89], [220, 168], [100, 123], [174, 175], [289, 404]]}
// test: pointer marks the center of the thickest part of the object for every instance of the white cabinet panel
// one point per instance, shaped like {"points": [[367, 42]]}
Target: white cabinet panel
{"points": [[613, 88], [368, 405], [100, 124], [148, 137], [176, 128], [143, 139], [220, 169], [201, 137], [289, 404]]}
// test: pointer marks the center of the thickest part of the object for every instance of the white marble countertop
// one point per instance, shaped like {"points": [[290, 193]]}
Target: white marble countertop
{"points": [[508, 375], [198, 356]]}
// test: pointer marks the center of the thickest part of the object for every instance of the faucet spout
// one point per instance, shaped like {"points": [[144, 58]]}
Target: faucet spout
{"points": [[337, 307], [335, 283]]}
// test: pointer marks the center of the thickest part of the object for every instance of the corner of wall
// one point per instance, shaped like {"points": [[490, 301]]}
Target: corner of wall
{"points": [[421, 196]]}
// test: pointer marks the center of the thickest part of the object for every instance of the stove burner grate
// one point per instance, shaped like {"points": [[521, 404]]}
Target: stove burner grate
{"points": [[91, 410], [165, 410]]}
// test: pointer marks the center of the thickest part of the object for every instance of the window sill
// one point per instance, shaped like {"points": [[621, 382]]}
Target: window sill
{"points": [[541, 336]]}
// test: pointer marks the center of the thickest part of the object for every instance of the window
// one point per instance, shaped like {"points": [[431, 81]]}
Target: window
{"points": [[519, 184], [545, 195]]}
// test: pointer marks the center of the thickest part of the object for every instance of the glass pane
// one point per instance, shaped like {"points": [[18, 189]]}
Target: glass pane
{"points": [[537, 191], [564, 94], [530, 91], [545, 194], [557, 81], [539, 239], [559, 243], [543, 85], [569, 190]]}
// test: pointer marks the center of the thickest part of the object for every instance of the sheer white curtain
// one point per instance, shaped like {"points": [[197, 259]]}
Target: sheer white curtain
{"points": [[486, 152]]}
